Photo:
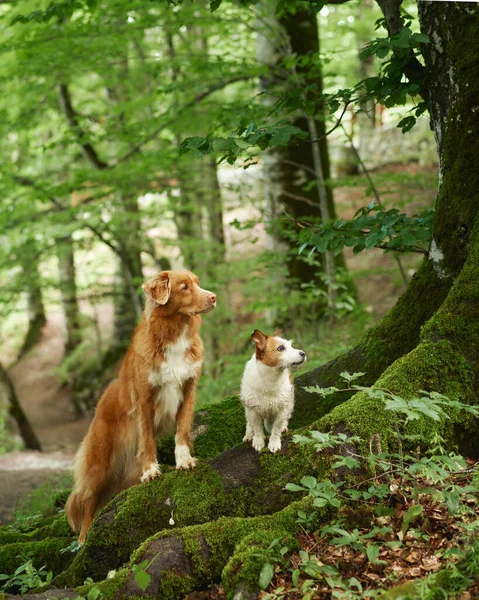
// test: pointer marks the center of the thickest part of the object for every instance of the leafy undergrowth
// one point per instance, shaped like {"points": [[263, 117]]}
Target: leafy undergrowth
{"points": [[346, 559], [363, 553]]}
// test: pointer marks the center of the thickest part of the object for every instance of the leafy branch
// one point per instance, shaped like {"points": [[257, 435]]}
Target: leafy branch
{"points": [[371, 227]]}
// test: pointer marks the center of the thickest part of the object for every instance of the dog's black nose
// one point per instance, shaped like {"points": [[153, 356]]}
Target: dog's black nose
{"points": [[302, 354]]}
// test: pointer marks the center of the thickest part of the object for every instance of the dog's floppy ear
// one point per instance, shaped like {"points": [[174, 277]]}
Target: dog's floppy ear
{"points": [[158, 288], [259, 339], [277, 333]]}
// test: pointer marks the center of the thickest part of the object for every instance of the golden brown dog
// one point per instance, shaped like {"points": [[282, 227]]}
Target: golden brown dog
{"points": [[156, 387]]}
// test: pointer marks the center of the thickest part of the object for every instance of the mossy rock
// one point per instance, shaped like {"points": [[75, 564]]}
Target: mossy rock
{"points": [[239, 482], [46, 553], [51, 527], [242, 571], [191, 558]]}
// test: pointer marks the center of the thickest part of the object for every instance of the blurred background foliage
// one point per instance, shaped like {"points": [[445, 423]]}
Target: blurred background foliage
{"points": [[139, 136]]}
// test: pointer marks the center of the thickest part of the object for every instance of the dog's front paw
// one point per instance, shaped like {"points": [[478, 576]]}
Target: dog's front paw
{"points": [[151, 472], [187, 463], [274, 444], [258, 443], [248, 437], [183, 458]]}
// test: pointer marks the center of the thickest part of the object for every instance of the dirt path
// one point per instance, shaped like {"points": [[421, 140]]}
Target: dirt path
{"points": [[48, 407]]}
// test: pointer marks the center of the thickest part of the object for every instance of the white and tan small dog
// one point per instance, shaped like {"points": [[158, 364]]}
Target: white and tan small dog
{"points": [[267, 389]]}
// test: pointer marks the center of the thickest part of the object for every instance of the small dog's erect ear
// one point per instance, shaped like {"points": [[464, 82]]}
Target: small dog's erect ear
{"points": [[277, 333], [159, 288], [259, 338]]}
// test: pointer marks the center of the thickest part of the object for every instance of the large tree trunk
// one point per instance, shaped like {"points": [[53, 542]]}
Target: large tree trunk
{"points": [[286, 171], [17, 413]]}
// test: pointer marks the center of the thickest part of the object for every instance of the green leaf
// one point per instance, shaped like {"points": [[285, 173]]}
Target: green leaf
{"points": [[346, 461], [293, 487], [266, 575], [407, 123], [215, 4], [142, 579], [420, 38], [410, 516], [309, 482], [94, 592], [452, 501]]}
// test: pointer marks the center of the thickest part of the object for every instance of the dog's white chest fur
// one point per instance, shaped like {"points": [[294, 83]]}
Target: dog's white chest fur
{"points": [[265, 389], [174, 371]]}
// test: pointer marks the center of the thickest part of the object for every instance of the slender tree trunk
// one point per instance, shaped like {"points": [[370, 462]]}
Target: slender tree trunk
{"points": [[366, 116], [213, 203], [125, 317], [16, 411], [68, 291], [36, 308]]}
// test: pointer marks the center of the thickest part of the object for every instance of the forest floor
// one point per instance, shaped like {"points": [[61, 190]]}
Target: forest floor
{"points": [[47, 403]]}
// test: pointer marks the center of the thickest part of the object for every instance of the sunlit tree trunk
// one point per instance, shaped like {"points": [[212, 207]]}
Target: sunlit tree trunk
{"points": [[287, 171], [366, 116]]}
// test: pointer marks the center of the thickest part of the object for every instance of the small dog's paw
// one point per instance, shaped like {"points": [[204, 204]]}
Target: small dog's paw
{"points": [[247, 438], [258, 443], [151, 472], [187, 463], [274, 444], [183, 457]]}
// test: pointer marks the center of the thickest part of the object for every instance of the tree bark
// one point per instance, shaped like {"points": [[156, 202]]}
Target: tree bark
{"points": [[25, 428], [68, 291], [288, 170], [36, 309]]}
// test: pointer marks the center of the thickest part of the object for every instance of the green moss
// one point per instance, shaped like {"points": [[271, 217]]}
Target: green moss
{"points": [[225, 424], [173, 586], [191, 498], [109, 588], [45, 552], [458, 318], [51, 527], [218, 428], [210, 546], [431, 367]]}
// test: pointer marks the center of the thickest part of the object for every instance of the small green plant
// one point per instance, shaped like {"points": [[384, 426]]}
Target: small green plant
{"points": [[25, 577]]}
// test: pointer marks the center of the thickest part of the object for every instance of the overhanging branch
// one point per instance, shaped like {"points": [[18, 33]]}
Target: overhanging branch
{"points": [[87, 149]]}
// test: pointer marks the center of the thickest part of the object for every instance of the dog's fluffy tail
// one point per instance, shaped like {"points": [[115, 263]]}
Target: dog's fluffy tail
{"points": [[74, 510]]}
